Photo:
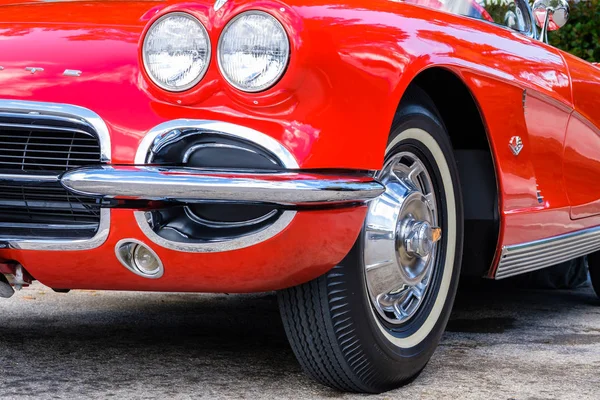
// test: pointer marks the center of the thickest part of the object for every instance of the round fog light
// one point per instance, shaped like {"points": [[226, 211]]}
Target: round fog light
{"points": [[145, 260], [139, 258]]}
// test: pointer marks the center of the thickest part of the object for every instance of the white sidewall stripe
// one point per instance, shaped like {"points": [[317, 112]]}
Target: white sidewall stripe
{"points": [[428, 141]]}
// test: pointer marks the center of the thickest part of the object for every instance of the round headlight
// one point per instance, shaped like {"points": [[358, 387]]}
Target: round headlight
{"points": [[253, 51], [176, 51]]}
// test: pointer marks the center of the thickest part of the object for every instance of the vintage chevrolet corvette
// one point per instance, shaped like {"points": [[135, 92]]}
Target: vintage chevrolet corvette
{"points": [[340, 152]]}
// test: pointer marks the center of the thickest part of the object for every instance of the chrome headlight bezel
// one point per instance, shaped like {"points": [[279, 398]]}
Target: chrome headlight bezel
{"points": [[281, 73], [145, 60]]}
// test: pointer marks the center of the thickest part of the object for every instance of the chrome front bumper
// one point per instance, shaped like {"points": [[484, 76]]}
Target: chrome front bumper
{"points": [[286, 188]]}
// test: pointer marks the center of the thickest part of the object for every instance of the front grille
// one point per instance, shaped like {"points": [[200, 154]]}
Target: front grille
{"points": [[38, 144], [45, 146]]}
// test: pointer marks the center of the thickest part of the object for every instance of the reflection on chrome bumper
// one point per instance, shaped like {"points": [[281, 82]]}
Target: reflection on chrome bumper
{"points": [[189, 185]]}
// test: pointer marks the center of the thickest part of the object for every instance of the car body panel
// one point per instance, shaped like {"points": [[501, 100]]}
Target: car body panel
{"points": [[351, 61], [307, 248], [582, 145]]}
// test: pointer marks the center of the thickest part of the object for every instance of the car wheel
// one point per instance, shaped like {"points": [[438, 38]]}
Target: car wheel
{"points": [[593, 261], [372, 323]]}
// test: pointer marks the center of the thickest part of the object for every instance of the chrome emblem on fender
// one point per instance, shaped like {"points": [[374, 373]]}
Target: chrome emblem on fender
{"points": [[219, 4], [33, 70], [516, 145]]}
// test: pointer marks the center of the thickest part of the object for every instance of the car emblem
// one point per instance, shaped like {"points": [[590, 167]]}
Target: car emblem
{"points": [[72, 72], [516, 145], [33, 70]]}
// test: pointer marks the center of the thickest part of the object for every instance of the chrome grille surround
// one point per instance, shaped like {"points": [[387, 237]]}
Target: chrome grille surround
{"points": [[38, 142]]}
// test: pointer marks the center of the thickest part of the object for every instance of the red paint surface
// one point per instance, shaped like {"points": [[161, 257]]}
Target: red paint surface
{"points": [[351, 62], [582, 145], [307, 248]]}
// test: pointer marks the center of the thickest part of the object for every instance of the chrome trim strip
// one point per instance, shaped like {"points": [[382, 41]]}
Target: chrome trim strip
{"points": [[45, 127], [216, 224], [68, 112], [223, 128], [225, 245], [527, 257], [45, 226], [72, 72], [64, 110], [29, 178], [186, 184], [65, 244], [33, 70]]}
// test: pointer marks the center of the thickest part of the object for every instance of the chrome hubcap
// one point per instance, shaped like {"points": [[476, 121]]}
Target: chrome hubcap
{"points": [[401, 238]]}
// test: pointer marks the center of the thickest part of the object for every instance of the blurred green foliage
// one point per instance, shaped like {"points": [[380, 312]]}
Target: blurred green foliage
{"points": [[581, 35]]}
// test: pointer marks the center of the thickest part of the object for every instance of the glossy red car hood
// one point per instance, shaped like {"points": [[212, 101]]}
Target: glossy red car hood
{"points": [[33, 2], [100, 39], [76, 11]]}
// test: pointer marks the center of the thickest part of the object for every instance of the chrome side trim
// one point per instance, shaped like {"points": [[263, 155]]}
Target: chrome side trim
{"points": [[64, 110], [65, 244], [527, 257], [212, 247], [71, 112], [223, 128], [187, 184]]}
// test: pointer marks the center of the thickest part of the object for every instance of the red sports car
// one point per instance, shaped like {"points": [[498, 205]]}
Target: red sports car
{"points": [[356, 156]]}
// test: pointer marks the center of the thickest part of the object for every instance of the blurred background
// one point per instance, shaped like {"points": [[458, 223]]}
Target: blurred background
{"points": [[581, 35]]}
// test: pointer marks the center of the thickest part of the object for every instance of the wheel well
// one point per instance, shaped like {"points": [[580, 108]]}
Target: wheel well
{"points": [[479, 187]]}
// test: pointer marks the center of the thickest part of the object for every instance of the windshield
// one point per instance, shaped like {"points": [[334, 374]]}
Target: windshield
{"points": [[513, 14]]}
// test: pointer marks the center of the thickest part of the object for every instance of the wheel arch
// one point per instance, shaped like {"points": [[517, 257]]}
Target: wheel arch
{"points": [[468, 133]]}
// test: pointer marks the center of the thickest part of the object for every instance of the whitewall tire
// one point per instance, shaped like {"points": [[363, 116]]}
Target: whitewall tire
{"points": [[372, 323]]}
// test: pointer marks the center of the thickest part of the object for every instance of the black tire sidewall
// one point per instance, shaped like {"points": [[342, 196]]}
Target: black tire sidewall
{"points": [[393, 364]]}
